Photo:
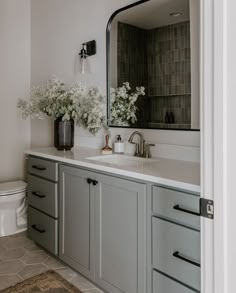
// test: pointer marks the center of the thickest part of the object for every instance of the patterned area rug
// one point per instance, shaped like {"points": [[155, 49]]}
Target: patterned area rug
{"points": [[49, 282]]}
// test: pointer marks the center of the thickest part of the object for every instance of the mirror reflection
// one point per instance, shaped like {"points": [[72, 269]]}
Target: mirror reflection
{"points": [[154, 47]]}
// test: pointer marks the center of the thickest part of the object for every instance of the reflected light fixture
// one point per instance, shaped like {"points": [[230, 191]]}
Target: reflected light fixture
{"points": [[175, 14], [88, 49]]}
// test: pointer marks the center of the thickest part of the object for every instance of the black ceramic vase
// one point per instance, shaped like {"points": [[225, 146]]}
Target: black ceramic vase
{"points": [[63, 134]]}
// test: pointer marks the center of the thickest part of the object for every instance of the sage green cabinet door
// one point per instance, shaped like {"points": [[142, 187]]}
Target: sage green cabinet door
{"points": [[76, 220], [120, 235]]}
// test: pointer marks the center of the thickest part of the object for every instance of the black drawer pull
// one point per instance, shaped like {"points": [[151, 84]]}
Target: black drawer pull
{"points": [[177, 255], [38, 229], [38, 194], [89, 181], [40, 168], [178, 208], [95, 182]]}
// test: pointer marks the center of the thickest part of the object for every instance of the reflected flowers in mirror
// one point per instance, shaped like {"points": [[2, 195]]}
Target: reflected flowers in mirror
{"points": [[123, 104]]}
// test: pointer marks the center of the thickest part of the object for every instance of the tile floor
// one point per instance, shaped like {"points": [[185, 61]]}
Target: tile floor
{"points": [[21, 258]]}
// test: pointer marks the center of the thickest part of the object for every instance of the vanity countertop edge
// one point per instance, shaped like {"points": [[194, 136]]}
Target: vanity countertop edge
{"points": [[173, 173]]}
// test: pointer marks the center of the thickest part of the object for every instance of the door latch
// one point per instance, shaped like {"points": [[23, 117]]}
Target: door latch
{"points": [[207, 208]]}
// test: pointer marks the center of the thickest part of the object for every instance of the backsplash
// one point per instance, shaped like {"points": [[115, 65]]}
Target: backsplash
{"points": [[171, 144], [174, 145]]}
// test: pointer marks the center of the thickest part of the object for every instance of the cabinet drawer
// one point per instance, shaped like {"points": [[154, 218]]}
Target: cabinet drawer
{"points": [[43, 168], [43, 195], [176, 252], [163, 284], [176, 205], [43, 230]]}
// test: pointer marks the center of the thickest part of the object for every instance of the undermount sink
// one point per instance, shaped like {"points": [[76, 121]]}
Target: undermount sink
{"points": [[122, 160]]}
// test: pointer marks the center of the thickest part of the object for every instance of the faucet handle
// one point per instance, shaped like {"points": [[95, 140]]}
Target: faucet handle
{"points": [[147, 150]]}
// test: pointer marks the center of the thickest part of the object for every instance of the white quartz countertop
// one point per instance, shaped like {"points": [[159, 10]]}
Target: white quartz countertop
{"points": [[173, 173]]}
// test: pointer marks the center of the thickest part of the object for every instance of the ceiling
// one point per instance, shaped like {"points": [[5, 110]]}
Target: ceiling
{"points": [[155, 13]]}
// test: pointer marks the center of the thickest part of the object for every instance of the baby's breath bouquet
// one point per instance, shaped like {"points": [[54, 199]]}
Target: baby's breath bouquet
{"points": [[123, 104], [53, 100], [78, 104], [92, 110]]}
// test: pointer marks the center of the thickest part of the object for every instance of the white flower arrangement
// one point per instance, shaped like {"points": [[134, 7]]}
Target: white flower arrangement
{"points": [[85, 107], [123, 104], [92, 111]]}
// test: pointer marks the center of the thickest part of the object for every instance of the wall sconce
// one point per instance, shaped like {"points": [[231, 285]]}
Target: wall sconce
{"points": [[88, 49]]}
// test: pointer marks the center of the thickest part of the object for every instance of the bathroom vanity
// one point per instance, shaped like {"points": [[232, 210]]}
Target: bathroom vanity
{"points": [[128, 224]]}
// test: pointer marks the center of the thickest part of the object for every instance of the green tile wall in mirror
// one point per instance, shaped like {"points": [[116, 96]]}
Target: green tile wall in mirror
{"points": [[154, 44]]}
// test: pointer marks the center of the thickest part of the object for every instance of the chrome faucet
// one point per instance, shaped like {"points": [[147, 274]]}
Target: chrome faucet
{"points": [[142, 148]]}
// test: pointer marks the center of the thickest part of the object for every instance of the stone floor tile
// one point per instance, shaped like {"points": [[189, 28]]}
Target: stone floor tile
{"points": [[3, 240], [33, 247], [66, 273], [18, 242], [82, 283], [19, 235], [32, 270], [12, 254], [32, 261], [35, 257], [7, 281], [3, 251], [10, 267], [53, 263]]}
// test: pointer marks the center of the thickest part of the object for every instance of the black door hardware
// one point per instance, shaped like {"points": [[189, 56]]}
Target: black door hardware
{"points": [[38, 194], [40, 168], [178, 208], [95, 182], [35, 227], [177, 255], [89, 181]]}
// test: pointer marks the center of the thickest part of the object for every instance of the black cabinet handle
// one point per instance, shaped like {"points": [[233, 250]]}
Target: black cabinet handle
{"points": [[38, 229], [38, 194], [177, 207], [40, 168], [95, 182], [89, 181], [177, 255]]}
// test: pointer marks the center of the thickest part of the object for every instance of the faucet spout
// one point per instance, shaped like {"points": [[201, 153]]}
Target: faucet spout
{"points": [[139, 146]]}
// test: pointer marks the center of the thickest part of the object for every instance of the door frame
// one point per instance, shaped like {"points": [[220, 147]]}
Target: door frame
{"points": [[213, 143]]}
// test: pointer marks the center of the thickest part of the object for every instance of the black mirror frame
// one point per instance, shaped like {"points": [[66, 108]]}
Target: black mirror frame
{"points": [[108, 29], [108, 80]]}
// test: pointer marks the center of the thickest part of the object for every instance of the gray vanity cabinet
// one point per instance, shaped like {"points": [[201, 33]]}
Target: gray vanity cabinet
{"points": [[76, 223], [43, 203], [126, 236], [120, 235], [102, 228]]}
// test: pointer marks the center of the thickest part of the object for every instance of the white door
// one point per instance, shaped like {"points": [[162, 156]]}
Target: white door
{"points": [[213, 151]]}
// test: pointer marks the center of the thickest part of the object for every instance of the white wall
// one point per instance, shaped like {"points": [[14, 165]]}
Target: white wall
{"points": [[59, 28], [14, 83]]}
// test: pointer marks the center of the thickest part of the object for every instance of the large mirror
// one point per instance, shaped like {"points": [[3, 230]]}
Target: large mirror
{"points": [[154, 46]]}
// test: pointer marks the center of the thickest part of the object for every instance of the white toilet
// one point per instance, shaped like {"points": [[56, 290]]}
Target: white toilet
{"points": [[12, 208]]}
